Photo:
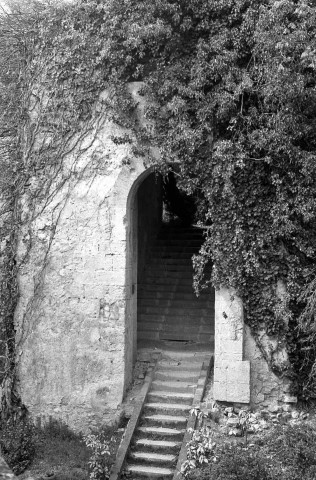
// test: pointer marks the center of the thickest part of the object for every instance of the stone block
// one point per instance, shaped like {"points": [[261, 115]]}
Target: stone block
{"points": [[232, 381], [289, 399], [220, 390], [273, 408], [238, 372], [232, 422], [238, 392]]}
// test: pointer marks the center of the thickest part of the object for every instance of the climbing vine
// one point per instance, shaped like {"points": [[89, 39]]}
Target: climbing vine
{"points": [[51, 108], [234, 95], [231, 100]]}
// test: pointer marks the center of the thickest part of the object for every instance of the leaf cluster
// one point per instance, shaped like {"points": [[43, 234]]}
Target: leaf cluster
{"points": [[233, 89]]}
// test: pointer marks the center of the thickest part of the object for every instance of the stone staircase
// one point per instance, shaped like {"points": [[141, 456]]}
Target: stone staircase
{"points": [[178, 328], [168, 309], [178, 383]]}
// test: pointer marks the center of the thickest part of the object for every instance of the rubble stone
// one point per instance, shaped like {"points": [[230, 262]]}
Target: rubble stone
{"points": [[233, 421], [273, 408], [286, 408], [229, 410], [289, 399]]}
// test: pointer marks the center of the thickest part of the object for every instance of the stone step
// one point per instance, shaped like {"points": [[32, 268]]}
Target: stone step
{"points": [[175, 241], [179, 240], [176, 375], [169, 228], [173, 253], [163, 273], [175, 301], [173, 262], [185, 337], [148, 335], [173, 386], [184, 324], [176, 246], [178, 319], [196, 357], [180, 323], [160, 267], [168, 408], [163, 287], [148, 444], [169, 280], [151, 457], [199, 310], [179, 365], [170, 397], [144, 287], [149, 471], [165, 420], [181, 232], [172, 230], [161, 432], [168, 332]]}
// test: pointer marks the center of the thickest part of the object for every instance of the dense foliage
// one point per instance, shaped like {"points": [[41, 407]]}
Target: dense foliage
{"points": [[17, 441], [286, 453], [233, 84], [231, 90]]}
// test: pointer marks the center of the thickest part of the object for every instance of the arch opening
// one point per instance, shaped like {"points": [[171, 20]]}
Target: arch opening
{"points": [[162, 237]]}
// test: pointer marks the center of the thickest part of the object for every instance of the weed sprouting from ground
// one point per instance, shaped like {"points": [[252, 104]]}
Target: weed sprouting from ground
{"points": [[18, 443]]}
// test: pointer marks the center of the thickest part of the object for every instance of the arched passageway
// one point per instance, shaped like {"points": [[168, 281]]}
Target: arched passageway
{"points": [[168, 310]]}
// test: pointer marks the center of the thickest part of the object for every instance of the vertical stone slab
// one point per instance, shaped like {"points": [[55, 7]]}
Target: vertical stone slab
{"points": [[231, 372]]}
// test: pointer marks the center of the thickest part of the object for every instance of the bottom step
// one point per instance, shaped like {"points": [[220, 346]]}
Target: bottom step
{"points": [[150, 472]]}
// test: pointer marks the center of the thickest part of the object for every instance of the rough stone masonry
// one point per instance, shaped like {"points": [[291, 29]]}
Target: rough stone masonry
{"points": [[76, 319]]}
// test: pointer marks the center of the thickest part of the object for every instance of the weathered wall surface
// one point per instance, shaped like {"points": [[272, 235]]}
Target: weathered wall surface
{"points": [[75, 316], [76, 319], [266, 387], [241, 374]]}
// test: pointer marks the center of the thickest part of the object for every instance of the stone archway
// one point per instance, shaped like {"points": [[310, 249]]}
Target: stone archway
{"points": [[182, 316]]}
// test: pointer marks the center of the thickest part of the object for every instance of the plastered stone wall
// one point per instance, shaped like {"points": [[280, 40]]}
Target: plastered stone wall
{"points": [[76, 317], [76, 320]]}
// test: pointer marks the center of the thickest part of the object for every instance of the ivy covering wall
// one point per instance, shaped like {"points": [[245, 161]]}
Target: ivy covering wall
{"points": [[231, 88]]}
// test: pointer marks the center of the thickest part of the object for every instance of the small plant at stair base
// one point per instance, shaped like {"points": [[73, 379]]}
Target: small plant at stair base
{"points": [[201, 445], [242, 427], [100, 448], [197, 412], [199, 449]]}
